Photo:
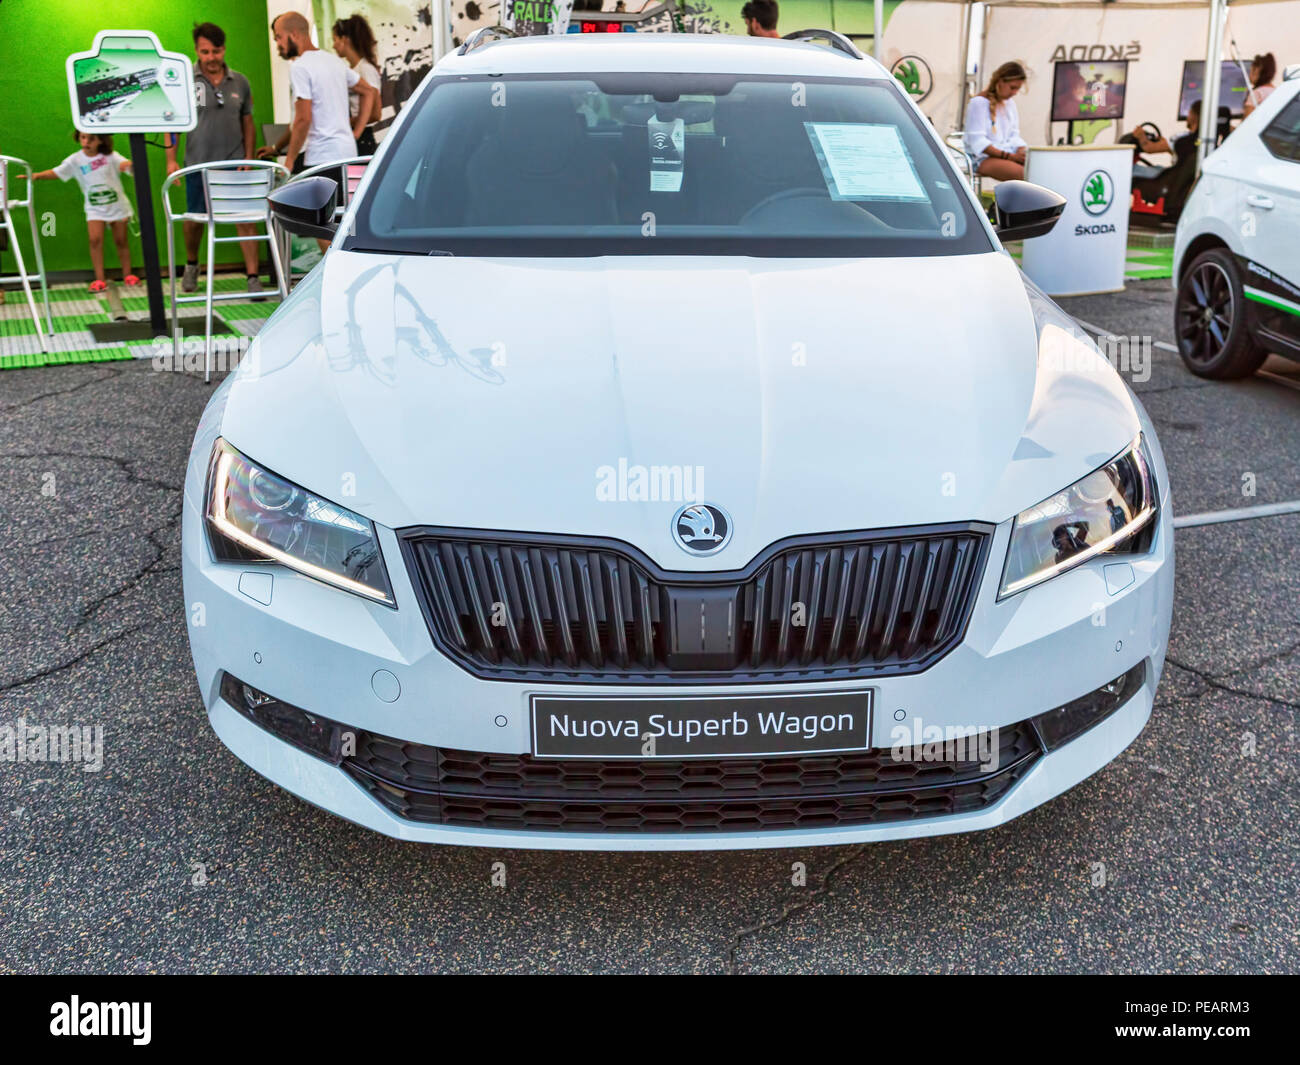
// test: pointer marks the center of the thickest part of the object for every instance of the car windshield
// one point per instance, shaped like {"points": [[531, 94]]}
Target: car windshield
{"points": [[645, 164]]}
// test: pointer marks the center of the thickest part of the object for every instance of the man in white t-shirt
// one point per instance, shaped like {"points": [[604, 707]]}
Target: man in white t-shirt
{"points": [[322, 130]]}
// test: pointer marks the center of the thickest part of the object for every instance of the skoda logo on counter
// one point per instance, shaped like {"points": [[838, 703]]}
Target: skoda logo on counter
{"points": [[702, 528], [1098, 192]]}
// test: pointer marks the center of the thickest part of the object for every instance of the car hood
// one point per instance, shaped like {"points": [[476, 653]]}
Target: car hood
{"points": [[573, 396]]}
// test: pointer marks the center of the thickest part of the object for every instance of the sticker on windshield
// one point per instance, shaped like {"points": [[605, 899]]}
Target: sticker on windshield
{"points": [[667, 154], [865, 161]]}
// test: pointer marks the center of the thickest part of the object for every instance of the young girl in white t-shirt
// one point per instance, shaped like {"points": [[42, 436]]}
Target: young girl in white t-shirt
{"points": [[98, 170]]}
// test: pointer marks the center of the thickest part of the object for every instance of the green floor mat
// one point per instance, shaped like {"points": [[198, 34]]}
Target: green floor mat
{"points": [[1140, 263], [59, 358], [72, 341]]}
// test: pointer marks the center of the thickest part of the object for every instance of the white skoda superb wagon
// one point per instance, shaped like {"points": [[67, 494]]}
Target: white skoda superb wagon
{"points": [[666, 454]]}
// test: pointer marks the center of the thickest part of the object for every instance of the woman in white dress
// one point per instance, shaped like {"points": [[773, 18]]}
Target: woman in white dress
{"points": [[354, 41], [993, 126]]}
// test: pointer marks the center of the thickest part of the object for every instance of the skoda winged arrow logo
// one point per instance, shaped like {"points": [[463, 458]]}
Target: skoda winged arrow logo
{"points": [[913, 73], [702, 528], [1098, 192]]}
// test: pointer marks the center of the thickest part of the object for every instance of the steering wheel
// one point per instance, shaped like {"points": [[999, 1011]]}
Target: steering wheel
{"points": [[1151, 130], [801, 193]]}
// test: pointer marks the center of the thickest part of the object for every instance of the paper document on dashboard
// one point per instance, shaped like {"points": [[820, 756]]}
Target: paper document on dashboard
{"points": [[864, 161]]}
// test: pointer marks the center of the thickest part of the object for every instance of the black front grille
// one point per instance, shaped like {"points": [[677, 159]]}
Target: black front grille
{"points": [[520, 606], [477, 789]]}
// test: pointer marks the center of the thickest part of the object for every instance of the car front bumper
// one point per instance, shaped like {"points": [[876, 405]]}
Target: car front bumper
{"points": [[376, 669]]}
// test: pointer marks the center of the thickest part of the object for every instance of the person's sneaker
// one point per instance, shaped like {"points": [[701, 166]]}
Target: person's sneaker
{"points": [[255, 286], [98, 286], [130, 280], [190, 279]]}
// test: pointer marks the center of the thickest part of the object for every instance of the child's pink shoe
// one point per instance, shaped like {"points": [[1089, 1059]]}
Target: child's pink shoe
{"points": [[131, 280], [98, 286]]}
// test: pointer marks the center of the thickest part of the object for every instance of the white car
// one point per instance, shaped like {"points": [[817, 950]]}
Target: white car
{"points": [[1237, 251], [667, 455]]}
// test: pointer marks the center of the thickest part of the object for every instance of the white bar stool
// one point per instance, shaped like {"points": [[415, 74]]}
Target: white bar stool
{"points": [[7, 206], [234, 192]]}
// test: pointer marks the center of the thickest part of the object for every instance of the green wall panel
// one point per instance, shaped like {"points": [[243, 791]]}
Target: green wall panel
{"points": [[36, 38]]}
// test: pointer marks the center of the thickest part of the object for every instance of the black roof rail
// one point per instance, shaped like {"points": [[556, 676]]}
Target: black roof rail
{"points": [[485, 35], [836, 40]]}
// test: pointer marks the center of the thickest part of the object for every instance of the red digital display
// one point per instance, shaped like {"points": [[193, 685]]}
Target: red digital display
{"points": [[601, 27]]}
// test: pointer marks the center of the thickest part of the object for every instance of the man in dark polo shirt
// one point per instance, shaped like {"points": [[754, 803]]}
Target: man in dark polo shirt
{"points": [[224, 102]]}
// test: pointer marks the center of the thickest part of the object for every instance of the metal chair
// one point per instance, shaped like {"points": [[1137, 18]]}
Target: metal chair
{"points": [[354, 170], [234, 193], [7, 206], [956, 144]]}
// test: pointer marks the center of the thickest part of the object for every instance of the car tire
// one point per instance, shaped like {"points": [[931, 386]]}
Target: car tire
{"points": [[1210, 319]]}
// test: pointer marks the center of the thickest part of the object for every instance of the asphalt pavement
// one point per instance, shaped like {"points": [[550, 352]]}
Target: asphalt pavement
{"points": [[174, 857]]}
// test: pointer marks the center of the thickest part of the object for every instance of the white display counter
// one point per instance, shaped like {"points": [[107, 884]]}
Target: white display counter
{"points": [[1087, 249]]}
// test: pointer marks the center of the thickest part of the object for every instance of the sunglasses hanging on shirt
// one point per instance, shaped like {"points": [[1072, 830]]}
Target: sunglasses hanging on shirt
{"points": [[201, 89]]}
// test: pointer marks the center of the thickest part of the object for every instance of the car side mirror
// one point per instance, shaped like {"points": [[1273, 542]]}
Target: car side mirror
{"points": [[1025, 210], [306, 207]]}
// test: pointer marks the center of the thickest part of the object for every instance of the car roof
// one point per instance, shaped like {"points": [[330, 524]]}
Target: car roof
{"points": [[712, 53]]}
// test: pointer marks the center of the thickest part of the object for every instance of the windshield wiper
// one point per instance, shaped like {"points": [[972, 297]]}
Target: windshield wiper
{"points": [[399, 251]]}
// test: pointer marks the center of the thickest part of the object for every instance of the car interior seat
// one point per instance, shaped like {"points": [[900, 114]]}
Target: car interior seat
{"points": [[1173, 184], [540, 169]]}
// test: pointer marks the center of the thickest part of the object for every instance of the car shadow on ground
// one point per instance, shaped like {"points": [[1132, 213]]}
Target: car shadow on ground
{"points": [[1178, 856]]}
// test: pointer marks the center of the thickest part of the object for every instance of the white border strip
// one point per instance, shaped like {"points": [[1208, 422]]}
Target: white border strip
{"points": [[1218, 517], [1272, 299], [1096, 330]]}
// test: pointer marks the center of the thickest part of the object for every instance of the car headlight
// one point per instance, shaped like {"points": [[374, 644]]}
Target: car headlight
{"points": [[255, 516], [1107, 511]]}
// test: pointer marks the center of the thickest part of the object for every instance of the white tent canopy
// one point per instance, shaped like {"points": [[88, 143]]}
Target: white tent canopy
{"points": [[1172, 30]]}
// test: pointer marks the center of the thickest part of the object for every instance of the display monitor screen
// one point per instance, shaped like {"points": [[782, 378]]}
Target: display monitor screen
{"points": [[1088, 90], [1232, 86]]}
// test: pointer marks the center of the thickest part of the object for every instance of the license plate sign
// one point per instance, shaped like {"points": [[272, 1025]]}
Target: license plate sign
{"points": [[576, 726]]}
